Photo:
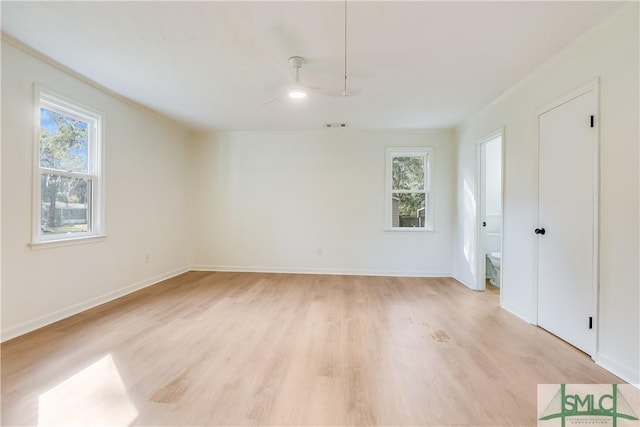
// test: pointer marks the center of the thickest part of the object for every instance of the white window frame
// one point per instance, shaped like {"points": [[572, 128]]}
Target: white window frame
{"points": [[53, 102], [428, 154]]}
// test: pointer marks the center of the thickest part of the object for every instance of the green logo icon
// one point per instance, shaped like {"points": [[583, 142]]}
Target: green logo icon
{"points": [[565, 405]]}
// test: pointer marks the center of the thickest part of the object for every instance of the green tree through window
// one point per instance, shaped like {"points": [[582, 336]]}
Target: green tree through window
{"points": [[408, 174], [407, 186], [68, 188], [63, 147]]}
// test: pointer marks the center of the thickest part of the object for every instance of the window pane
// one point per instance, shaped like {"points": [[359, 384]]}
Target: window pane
{"points": [[63, 142], [408, 209], [64, 204], [408, 173]]}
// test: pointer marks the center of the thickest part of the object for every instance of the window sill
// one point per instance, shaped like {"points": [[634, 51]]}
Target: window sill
{"points": [[57, 243], [410, 230]]}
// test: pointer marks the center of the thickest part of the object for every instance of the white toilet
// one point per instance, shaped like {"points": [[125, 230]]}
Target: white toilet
{"points": [[494, 275]]}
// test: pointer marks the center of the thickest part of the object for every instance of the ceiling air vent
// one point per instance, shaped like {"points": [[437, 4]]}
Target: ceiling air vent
{"points": [[336, 125]]}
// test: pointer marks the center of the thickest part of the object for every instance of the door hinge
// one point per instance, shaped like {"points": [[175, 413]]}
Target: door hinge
{"points": [[593, 121], [590, 322]]}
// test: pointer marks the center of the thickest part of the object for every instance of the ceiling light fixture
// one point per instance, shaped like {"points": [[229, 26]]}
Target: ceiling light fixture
{"points": [[297, 91]]}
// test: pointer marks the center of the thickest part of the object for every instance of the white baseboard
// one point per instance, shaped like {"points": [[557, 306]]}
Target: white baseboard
{"points": [[311, 270], [32, 325], [618, 369], [464, 282], [516, 312]]}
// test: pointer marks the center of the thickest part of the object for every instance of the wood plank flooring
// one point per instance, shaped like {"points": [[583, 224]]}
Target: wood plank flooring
{"points": [[283, 349]]}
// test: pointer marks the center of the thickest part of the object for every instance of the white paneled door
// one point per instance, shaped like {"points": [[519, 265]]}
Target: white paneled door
{"points": [[567, 214]]}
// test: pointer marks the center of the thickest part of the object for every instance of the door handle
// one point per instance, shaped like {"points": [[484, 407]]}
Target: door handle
{"points": [[539, 231], [484, 223]]}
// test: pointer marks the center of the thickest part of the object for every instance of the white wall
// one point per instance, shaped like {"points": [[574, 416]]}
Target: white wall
{"points": [[267, 201], [610, 52], [146, 203]]}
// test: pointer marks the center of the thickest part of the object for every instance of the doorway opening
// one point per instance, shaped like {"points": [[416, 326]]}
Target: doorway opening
{"points": [[489, 252]]}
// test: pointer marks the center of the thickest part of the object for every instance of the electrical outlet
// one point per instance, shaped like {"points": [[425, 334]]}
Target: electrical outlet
{"points": [[146, 258], [319, 251]]}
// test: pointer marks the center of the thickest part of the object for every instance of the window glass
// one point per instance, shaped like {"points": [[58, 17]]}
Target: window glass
{"points": [[408, 173], [408, 189], [67, 192], [63, 142]]}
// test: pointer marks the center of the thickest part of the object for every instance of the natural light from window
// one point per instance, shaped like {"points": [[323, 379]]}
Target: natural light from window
{"points": [[95, 396], [469, 205]]}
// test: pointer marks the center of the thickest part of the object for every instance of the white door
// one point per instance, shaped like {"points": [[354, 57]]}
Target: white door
{"points": [[566, 210]]}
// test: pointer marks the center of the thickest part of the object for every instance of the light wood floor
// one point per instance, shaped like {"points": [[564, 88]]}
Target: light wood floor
{"points": [[491, 289], [284, 349]]}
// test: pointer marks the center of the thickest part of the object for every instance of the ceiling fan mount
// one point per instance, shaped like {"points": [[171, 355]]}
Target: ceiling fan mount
{"points": [[297, 62]]}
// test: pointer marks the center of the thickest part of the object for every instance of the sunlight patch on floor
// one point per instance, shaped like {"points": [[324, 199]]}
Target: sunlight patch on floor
{"points": [[94, 396]]}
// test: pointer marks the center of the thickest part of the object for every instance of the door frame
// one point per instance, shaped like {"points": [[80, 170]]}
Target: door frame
{"points": [[480, 268], [595, 286]]}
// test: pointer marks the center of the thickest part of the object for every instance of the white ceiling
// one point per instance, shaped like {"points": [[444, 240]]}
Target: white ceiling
{"points": [[213, 64]]}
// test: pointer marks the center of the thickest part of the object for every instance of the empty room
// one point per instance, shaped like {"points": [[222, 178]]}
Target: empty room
{"points": [[320, 213]]}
